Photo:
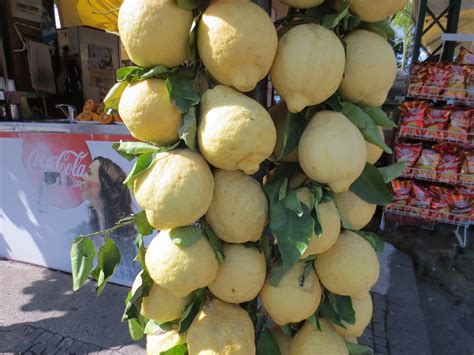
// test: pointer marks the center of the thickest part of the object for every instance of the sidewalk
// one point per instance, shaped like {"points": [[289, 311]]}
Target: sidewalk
{"points": [[41, 314]]}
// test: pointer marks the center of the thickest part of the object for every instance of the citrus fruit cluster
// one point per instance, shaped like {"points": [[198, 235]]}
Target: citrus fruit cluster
{"points": [[212, 214]]}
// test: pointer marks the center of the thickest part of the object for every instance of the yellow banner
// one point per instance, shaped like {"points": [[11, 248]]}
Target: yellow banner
{"points": [[100, 14]]}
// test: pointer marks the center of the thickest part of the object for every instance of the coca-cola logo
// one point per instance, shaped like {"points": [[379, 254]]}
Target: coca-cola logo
{"points": [[56, 164], [68, 162]]}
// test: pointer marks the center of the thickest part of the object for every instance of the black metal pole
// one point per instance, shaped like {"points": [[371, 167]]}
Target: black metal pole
{"points": [[420, 22], [452, 27]]}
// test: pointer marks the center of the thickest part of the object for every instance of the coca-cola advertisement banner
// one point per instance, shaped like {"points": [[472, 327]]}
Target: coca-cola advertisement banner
{"points": [[55, 187]]}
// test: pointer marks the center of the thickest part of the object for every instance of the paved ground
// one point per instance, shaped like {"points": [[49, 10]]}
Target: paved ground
{"points": [[41, 314]]}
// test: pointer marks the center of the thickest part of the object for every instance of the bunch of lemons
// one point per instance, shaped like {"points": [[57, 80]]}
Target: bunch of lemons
{"points": [[239, 46]]}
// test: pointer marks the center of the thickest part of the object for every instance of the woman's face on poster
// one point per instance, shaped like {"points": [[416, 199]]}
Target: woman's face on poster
{"points": [[91, 183]]}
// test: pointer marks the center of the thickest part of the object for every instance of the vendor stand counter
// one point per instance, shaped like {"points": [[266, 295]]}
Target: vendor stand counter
{"points": [[59, 181]]}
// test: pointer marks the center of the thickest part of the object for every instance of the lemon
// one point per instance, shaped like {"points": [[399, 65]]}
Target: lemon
{"points": [[353, 210], [350, 267], [158, 344], [332, 150], [363, 314], [374, 11], [241, 276], [146, 110], [289, 301], [311, 341], [235, 131], [180, 269], [239, 209], [237, 43], [154, 32], [368, 77], [308, 66], [279, 113], [374, 152], [160, 304], [302, 4], [177, 190], [283, 340], [330, 224], [221, 329]]}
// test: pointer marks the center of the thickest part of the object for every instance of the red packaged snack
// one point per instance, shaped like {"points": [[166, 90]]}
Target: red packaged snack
{"points": [[418, 74], [440, 200], [402, 189], [459, 126], [448, 167], [420, 198], [437, 79], [408, 152], [413, 114], [465, 57], [467, 167], [436, 119], [456, 84], [460, 203], [427, 163]]}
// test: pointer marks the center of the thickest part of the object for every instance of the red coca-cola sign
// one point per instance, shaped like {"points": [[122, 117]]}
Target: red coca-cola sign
{"points": [[56, 164]]}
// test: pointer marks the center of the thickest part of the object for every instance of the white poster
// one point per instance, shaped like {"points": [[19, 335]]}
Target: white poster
{"points": [[55, 187]]}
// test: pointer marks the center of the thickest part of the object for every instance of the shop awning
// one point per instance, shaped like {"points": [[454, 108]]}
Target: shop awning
{"points": [[100, 14]]}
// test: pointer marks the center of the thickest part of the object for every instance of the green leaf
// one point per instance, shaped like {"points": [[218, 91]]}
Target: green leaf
{"points": [[292, 233], [273, 190], [335, 102], [266, 344], [154, 327], [371, 188], [393, 171], [186, 236], [188, 4], [135, 329], [343, 306], [130, 74], [107, 261], [215, 242], [318, 228], [181, 92], [112, 100], [140, 257], [357, 349], [294, 127], [143, 163], [286, 329], [379, 117], [293, 203], [373, 238], [134, 299], [314, 320], [351, 23], [308, 266], [192, 39], [191, 310], [252, 309], [82, 261], [327, 311], [285, 170], [333, 20], [381, 28], [130, 150], [265, 246], [155, 71], [179, 349], [187, 131], [365, 124], [141, 222]]}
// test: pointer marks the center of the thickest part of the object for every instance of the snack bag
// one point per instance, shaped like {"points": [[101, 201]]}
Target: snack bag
{"points": [[439, 204], [456, 83], [436, 119], [437, 79], [412, 115], [465, 57], [448, 167], [408, 152], [402, 189], [418, 74], [421, 199], [427, 163], [467, 167], [460, 205], [459, 125]]}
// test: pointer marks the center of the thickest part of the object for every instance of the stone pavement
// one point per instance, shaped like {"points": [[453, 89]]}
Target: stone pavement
{"points": [[39, 313]]}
